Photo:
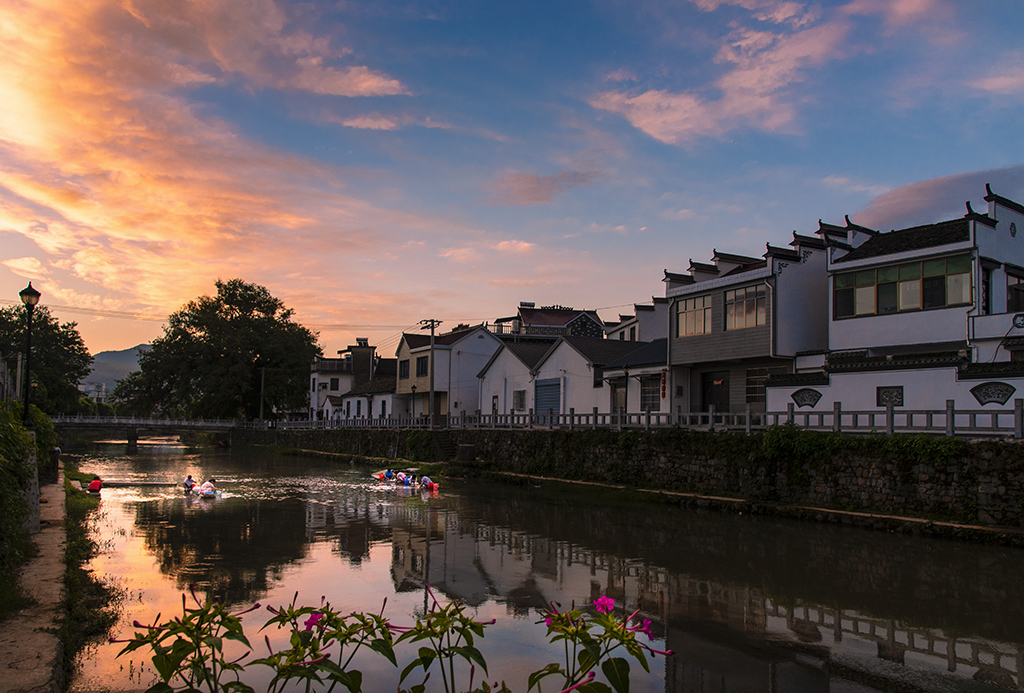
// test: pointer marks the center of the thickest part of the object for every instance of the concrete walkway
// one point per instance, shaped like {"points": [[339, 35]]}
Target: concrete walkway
{"points": [[31, 655]]}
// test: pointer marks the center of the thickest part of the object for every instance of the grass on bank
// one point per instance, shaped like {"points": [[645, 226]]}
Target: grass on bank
{"points": [[90, 606]]}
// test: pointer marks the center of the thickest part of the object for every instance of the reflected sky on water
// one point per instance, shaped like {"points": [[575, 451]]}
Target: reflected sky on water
{"points": [[748, 603]]}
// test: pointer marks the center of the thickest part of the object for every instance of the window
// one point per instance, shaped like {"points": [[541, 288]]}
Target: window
{"points": [[1014, 294], [383, 408], [403, 369], [756, 378], [622, 336], [693, 316], [632, 333], [359, 408], [422, 366], [650, 393], [348, 410], [936, 283], [519, 400], [334, 384], [745, 307]]}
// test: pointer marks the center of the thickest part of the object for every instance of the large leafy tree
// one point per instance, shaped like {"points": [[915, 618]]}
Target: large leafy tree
{"points": [[59, 357], [218, 352]]}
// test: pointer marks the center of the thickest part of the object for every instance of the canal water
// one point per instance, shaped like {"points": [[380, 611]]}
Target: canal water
{"points": [[746, 603]]}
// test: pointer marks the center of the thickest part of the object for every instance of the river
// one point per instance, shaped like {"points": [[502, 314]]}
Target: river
{"points": [[746, 603]]}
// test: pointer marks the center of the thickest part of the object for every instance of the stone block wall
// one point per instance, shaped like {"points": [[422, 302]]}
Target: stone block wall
{"points": [[977, 482]]}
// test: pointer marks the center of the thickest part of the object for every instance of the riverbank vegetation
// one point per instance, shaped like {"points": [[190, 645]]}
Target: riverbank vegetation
{"points": [[90, 606], [15, 476]]}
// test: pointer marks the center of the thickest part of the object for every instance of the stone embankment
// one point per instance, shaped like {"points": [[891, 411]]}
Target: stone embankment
{"points": [[31, 654], [928, 480]]}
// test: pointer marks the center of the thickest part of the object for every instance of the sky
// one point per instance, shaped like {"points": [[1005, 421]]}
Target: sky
{"points": [[378, 163]]}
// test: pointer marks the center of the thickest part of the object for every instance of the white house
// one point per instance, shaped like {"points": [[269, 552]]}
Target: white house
{"points": [[639, 380], [647, 323], [453, 363], [738, 320], [506, 381], [570, 376], [919, 316]]}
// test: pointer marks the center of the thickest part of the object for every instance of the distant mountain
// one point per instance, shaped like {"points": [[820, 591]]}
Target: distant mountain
{"points": [[110, 366]]}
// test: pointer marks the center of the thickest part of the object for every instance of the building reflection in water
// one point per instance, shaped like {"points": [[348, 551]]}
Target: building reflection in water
{"points": [[748, 604]]}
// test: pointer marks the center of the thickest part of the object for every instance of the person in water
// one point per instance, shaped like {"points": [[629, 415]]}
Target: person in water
{"points": [[95, 485], [425, 480], [208, 486], [189, 483]]}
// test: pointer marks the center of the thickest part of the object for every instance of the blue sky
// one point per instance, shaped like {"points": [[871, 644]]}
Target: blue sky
{"points": [[378, 163]]}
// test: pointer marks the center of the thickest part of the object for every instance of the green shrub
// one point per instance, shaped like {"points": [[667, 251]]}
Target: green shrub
{"points": [[15, 477]]}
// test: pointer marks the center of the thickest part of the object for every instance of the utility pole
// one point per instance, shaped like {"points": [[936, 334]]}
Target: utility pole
{"points": [[263, 377], [430, 325]]}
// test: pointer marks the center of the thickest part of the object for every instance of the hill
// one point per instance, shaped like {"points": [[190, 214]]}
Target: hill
{"points": [[110, 366]]}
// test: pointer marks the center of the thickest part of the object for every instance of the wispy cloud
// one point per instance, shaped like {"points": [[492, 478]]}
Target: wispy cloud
{"points": [[28, 267], [938, 199], [531, 189], [765, 59]]}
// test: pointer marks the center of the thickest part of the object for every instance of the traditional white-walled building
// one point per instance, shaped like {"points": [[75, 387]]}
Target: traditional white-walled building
{"points": [[570, 376], [738, 320], [455, 360], [506, 380], [919, 316], [647, 323]]}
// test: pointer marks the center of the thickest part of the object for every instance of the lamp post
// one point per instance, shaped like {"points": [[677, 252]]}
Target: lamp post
{"points": [[413, 412], [625, 404], [30, 297]]}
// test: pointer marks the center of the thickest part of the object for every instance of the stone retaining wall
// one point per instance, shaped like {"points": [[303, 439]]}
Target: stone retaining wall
{"points": [[979, 482]]}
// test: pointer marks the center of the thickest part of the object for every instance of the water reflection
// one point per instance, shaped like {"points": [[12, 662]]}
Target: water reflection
{"points": [[748, 603]]}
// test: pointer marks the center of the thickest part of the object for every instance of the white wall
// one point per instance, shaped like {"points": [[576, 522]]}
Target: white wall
{"points": [[802, 303], [461, 365], [922, 389], [506, 374], [578, 391]]}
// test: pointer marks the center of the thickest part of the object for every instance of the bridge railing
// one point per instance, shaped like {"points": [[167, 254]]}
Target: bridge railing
{"points": [[1005, 421]]}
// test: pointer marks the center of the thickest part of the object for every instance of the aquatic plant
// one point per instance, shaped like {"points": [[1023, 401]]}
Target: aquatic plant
{"points": [[188, 650]]}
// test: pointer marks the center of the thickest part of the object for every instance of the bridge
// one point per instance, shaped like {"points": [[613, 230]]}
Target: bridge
{"points": [[129, 427]]}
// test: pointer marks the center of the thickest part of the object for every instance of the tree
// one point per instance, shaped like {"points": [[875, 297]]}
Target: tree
{"points": [[215, 351], [59, 357]]}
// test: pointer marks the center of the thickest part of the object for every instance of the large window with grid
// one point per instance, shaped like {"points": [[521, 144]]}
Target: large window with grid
{"points": [[1014, 294], [519, 400], [650, 393], [921, 285], [693, 316], [422, 366], [756, 378], [746, 307]]}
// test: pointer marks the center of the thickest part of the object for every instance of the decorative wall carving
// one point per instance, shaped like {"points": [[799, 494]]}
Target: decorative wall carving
{"points": [[993, 392], [884, 396], [806, 397]]}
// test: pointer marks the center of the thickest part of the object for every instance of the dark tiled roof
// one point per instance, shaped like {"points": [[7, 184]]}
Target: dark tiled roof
{"points": [[378, 385], [1000, 369], [914, 238], [999, 199], [756, 265], [677, 278], [653, 353], [556, 317], [784, 379], [415, 340], [530, 353], [601, 351], [735, 259], [848, 362], [808, 241], [781, 252], [386, 367]]}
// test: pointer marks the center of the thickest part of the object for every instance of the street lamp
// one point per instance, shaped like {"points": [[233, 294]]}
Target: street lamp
{"points": [[625, 407], [413, 412], [30, 297]]}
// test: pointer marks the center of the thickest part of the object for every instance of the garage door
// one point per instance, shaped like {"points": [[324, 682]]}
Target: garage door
{"points": [[547, 395]]}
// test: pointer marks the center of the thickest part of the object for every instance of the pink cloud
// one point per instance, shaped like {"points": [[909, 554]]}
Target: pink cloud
{"points": [[753, 92], [514, 246], [938, 199], [530, 189]]}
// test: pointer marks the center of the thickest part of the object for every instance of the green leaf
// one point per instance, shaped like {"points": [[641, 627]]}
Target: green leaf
{"points": [[536, 677], [616, 670]]}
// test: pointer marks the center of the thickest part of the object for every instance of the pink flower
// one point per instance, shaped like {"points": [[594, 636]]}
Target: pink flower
{"points": [[604, 604], [312, 620], [645, 628]]}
